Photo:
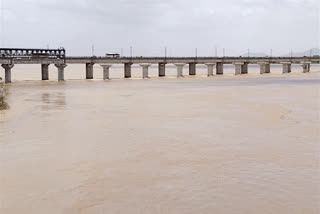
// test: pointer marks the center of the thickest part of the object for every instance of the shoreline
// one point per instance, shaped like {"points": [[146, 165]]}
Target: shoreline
{"points": [[3, 98]]}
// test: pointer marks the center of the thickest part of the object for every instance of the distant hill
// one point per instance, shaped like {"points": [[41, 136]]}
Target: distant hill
{"points": [[313, 51]]}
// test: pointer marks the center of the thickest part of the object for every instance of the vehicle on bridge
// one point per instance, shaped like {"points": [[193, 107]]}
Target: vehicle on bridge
{"points": [[32, 53], [113, 55]]}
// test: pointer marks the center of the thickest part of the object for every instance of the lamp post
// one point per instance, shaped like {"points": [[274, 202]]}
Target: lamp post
{"points": [[92, 50], [131, 50]]}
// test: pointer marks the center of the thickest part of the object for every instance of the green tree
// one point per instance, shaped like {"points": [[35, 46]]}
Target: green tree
{"points": [[3, 92]]}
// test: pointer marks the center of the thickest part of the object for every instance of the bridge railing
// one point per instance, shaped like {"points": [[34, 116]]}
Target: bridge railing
{"points": [[186, 58], [32, 53]]}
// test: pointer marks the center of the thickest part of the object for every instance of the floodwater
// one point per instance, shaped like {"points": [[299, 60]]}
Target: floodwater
{"points": [[228, 144]]}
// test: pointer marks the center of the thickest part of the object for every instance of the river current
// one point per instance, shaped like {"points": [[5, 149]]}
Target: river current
{"points": [[228, 144]]}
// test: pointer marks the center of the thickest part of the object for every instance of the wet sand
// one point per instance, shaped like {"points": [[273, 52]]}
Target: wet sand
{"points": [[244, 144]]}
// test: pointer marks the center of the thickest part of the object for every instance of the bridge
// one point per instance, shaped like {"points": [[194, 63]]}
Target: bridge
{"points": [[58, 58], [27, 53]]}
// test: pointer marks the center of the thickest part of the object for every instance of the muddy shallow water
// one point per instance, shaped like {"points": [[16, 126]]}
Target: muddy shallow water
{"points": [[245, 144]]}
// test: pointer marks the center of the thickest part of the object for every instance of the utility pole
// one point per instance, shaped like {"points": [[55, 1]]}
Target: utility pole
{"points": [[165, 52], [131, 50], [92, 50]]}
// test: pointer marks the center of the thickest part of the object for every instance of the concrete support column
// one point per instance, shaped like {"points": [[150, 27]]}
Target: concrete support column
{"points": [[286, 67], [127, 70], [244, 68], [145, 70], [192, 69], [45, 71], [219, 67], [268, 69], [106, 73], [162, 69], [306, 67], [89, 71], [60, 71], [264, 67], [180, 69], [238, 68], [7, 72], [210, 68]]}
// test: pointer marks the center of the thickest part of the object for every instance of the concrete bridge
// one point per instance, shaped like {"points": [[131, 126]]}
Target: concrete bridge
{"points": [[240, 64]]}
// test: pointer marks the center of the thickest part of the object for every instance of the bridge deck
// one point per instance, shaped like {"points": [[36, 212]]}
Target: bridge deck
{"points": [[156, 60]]}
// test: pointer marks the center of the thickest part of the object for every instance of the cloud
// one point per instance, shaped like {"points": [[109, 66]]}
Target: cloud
{"points": [[149, 25]]}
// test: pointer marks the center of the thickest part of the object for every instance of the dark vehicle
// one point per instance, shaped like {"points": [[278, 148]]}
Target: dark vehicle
{"points": [[112, 55]]}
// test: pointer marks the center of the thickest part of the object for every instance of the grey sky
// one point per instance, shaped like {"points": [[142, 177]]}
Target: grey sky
{"points": [[151, 25]]}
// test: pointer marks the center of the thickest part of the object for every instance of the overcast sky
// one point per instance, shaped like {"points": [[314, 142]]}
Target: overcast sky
{"points": [[150, 25]]}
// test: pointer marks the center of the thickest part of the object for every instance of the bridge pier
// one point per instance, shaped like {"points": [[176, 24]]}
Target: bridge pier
{"points": [[192, 69], [306, 67], [286, 67], [127, 70], [7, 72], [145, 70], [219, 67], [180, 69], [89, 71], [60, 71], [264, 67], [245, 68], [45, 71], [162, 69], [210, 68], [106, 73], [239, 68]]}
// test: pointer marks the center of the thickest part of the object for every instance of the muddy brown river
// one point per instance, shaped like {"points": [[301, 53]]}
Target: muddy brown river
{"points": [[229, 145]]}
